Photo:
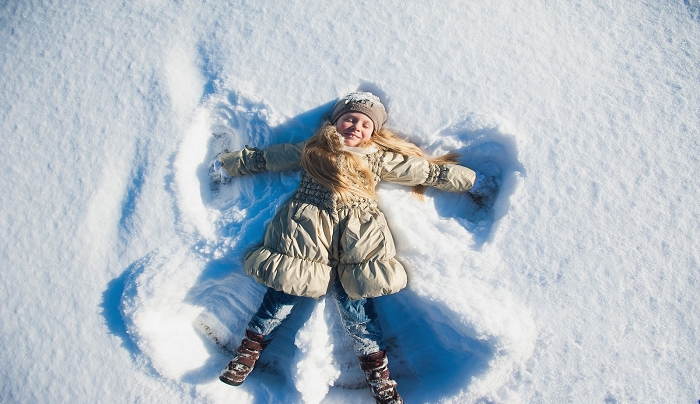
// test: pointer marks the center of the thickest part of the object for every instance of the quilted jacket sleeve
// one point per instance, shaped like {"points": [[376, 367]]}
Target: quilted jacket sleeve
{"points": [[411, 171], [276, 158]]}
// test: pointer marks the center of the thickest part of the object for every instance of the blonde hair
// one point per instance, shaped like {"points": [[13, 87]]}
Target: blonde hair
{"points": [[346, 174]]}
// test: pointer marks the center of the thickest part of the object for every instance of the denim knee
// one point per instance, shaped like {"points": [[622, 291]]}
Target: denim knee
{"points": [[360, 321], [273, 311]]}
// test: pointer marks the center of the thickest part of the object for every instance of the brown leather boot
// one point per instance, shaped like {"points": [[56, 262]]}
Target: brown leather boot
{"points": [[375, 366], [242, 364]]}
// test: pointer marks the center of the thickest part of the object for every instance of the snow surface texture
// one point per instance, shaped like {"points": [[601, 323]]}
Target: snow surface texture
{"points": [[122, 278]]}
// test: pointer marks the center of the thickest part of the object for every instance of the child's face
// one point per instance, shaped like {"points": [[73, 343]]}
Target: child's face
{"points": [[355, 128]]}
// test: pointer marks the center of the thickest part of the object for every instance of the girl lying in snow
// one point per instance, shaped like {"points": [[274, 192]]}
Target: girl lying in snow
{"points": [[330, 236]]}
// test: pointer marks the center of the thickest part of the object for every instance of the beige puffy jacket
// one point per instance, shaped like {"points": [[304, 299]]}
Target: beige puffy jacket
{"points": [[315, 237]]}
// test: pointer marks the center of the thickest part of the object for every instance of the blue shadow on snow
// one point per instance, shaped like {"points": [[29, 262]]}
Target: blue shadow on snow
{"points": [[432, 356]]}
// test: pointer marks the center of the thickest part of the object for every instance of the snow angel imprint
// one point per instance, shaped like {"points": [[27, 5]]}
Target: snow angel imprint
{"points": [[330, 235]]}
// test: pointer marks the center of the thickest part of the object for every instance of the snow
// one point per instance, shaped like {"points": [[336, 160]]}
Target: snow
{"points": [[121, 267]]}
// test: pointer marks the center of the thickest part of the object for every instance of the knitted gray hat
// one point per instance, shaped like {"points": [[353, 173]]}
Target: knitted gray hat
{"points": [[366, 103]]}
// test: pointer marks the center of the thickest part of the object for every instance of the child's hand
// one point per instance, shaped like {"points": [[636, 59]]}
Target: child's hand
{"points": [[484, 190], [217, 173]]}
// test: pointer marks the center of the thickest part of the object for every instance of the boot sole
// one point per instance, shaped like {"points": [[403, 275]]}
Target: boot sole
{"points": [[229, 381]]}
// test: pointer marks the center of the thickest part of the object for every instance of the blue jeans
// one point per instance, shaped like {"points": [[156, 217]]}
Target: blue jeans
{"points": [[359, 318]]}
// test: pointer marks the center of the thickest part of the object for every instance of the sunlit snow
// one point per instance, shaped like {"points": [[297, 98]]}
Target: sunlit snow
{"points": [[122, 275]]}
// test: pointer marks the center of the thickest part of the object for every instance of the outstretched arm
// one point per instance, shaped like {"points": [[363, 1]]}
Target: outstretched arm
{"points": [[276, 158], [411, 171]]}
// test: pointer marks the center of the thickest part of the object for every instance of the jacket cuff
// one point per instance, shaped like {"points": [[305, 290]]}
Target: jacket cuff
{"points": [[257, 160], [437, 174], [243, 162]]}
